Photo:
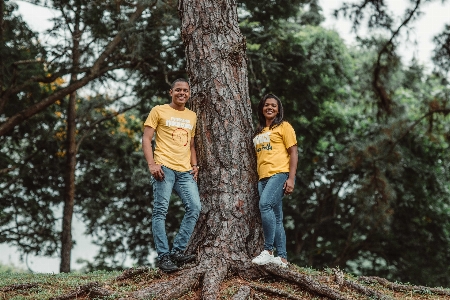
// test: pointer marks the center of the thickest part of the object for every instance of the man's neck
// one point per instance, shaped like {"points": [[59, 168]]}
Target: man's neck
{"points": [[177, 107]]}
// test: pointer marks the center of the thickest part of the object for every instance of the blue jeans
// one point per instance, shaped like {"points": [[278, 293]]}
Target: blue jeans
{"points": [[185, 186], [271, 207]]}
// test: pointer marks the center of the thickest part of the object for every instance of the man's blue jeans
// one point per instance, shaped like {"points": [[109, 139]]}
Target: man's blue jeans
{"points": [[271, 193], [185, 186]]}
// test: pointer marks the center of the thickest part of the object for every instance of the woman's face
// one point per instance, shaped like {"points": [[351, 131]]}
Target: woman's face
{"points": [[270, 109]]}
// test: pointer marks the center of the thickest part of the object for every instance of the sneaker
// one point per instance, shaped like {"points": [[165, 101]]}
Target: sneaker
{"points": [[277, 260], [264, 258], [165, 264], [180, 258]]}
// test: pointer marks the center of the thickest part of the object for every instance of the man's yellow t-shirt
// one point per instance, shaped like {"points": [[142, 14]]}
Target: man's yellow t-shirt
{"points": [[271, 149], [174, 130]]}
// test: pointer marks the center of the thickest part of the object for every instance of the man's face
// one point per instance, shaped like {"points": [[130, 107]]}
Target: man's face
{"points": [[180, 93]]}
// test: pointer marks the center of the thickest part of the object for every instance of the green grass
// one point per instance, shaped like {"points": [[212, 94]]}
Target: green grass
{"points": [[46, 286], [49, 285]]}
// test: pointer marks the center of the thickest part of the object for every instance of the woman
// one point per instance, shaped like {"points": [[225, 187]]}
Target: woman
{"points": [[276, 153]]}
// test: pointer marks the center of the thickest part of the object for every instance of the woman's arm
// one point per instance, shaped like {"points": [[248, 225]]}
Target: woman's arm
{"points": [[293, 160]]}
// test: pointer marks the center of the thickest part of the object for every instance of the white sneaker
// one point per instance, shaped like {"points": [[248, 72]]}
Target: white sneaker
{"points": [[277, 260], [264, 258]]}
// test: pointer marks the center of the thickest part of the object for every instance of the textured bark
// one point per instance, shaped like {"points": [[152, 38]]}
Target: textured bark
{"points": [[171, 289], [305, 281], [275, 292], [229, 231], [363, 290], [69, 189], [243, 293]]}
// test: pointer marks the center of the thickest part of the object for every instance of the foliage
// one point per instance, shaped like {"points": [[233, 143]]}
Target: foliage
{"points": [[10, 268]]}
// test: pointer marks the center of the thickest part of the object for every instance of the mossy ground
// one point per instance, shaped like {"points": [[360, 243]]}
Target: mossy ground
{"points": [[48, 286]]}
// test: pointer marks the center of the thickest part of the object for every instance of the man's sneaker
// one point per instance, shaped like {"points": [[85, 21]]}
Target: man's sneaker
{"points": [[264, 258], [277, 260], [165, 264], [180, 258]]}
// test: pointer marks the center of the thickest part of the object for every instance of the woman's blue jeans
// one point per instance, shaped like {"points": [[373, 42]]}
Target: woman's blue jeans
{"points": [[271, 193], [186, 187]]}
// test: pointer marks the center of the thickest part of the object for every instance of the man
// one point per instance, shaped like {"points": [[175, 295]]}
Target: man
{"points": [[173, 166]]}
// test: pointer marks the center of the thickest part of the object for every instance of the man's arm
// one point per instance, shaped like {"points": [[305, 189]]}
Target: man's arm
{"points": [[154, 168], [194, 159]]}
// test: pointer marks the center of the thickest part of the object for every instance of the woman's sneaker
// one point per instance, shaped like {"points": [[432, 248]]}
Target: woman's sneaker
{"points": [[264, 258], [277, 260]]}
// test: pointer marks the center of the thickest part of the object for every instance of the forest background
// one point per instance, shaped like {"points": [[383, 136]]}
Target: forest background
{"points": [[372, 185]]}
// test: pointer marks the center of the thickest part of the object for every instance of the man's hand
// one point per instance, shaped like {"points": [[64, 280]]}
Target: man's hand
{"points": [[195, 172], [156, 171], [288, 186]]}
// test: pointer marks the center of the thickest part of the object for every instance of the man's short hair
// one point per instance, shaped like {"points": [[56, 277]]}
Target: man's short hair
{"points": [[179, 80]]}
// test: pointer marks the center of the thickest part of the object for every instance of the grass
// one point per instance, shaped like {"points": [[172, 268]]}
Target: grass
{"points": [[46, 286]]}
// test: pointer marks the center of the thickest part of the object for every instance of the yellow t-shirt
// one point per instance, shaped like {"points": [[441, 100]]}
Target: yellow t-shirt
{"points": [[174, 130], [271, 149]]}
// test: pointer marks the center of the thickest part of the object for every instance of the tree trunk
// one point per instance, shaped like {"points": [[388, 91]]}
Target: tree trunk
{"points": [[229, 229], [71, 152]]}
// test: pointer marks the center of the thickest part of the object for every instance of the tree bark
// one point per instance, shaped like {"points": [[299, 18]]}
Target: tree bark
{"points": [[228, 232], [69, 194]]}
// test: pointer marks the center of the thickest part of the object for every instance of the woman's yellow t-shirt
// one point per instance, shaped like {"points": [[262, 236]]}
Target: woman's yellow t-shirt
{"points": [[271, 149], [174, 130]]}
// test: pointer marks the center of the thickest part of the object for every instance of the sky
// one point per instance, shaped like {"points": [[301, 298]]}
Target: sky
{"points": [[436, 14], [432, 22]]}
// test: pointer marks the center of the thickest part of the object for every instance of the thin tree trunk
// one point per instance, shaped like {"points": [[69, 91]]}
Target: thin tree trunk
{"points": [[229, 231], [71, 152]]}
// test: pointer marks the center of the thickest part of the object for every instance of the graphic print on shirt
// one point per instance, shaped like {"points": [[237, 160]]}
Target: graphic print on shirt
{"points": [[180, 135], [259, 141]]}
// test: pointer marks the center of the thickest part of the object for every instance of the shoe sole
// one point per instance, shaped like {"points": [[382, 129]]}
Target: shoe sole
{"points": [[261, 264], [180, 263], [169, 270]]}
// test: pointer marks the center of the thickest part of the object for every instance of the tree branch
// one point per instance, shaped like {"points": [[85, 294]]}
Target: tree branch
{"points": [[95, 72], [90, 128], [445, 111], [385, 100]]}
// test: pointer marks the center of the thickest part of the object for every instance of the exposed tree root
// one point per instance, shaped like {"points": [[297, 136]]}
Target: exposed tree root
{"points": [[17, 287], [243, 293], [215, 274], [129, 273], [274, 291], [173, 288], [305, 281], [403, 287], [208, 277], [340, 280], [91, 289]]}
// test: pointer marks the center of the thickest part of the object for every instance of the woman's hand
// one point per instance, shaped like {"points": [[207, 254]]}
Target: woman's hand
{"points": [[288, 186]]}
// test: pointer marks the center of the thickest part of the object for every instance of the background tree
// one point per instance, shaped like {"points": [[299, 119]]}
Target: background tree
{"points": [[79, 28]]}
